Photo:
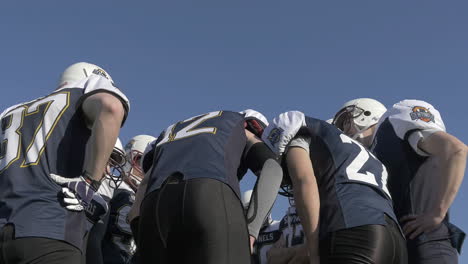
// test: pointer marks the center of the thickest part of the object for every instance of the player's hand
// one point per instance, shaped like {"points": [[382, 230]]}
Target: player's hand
{"points": [[70, 201], [79, 189], [414, 225], [252, 242]]}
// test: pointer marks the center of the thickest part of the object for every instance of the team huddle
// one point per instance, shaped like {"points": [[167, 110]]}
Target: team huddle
{"points": [[370, 185]]}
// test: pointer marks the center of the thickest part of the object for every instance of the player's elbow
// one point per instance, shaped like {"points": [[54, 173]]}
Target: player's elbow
{"points": [[461, 150], [458, 149]]}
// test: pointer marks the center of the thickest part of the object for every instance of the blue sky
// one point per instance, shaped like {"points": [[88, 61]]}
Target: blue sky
{"points": [[176, 59]]}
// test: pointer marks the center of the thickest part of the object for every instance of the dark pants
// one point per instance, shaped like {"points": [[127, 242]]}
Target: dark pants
{"points": [[193, 221], [432, 252], [35, 249], [372, 244]]}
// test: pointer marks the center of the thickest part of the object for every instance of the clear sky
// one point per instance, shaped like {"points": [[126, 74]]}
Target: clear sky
{"points": [[177, 59]]}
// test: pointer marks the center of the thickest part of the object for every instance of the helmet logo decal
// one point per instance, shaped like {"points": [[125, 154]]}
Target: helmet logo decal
{"points": [[100, 72], [130, 144], [422, 113]]}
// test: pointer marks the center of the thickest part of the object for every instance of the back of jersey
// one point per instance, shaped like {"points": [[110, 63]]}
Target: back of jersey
{"points": [[46, 135], [204, 146], [351, 181]]}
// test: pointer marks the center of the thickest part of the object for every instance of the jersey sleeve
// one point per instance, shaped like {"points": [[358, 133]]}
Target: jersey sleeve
{"points": [[413, 120], [99, 84], [282, 130], [301, 142]]}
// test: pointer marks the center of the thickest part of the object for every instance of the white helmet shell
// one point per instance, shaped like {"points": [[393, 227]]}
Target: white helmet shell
{"points": [[372, 111], [246, 198], [134, 150], [138, 143], [81, 70], [252, 114]]}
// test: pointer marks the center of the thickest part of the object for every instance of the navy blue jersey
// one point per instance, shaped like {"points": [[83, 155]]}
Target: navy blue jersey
{"points": [[46, 135], [402, 163], [393, 144], [118, 245], [205, 146], [351, 181]]}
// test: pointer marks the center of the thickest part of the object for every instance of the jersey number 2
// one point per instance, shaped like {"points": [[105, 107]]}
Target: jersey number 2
{"points": [[352, 171], [190, 129]]}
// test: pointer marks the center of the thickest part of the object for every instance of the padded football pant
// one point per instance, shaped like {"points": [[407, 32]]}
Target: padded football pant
{"points": [[196, 221], [372, 244], [35, 249]]}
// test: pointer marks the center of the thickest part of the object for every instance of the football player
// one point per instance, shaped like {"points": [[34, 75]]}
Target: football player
{"points": [[290, 248], [192, 211], [111, 187], [269, 233], [340, 192], [119, 245], [70, 132], [426, 166]]}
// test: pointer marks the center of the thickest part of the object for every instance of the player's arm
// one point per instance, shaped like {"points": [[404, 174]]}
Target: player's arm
{"points": [[306, 196], [262, 162], [450, 155], [104, 114]]}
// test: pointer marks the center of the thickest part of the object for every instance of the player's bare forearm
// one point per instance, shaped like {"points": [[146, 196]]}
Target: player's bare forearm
{"points": [[105, 114], [306, 195], [451, 155]]}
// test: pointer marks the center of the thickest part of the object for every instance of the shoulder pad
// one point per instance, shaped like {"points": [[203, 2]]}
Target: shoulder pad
{"points": [[410, 115], [282, 130]]}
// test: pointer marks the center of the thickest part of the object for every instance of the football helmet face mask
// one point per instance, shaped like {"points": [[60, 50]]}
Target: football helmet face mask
{"points": [[134, 152], [79, 71], [255, 122], [115, 166], [362, 113]]}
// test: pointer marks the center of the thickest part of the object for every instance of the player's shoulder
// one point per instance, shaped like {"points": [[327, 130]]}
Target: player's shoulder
{"points": [[408, 115]]}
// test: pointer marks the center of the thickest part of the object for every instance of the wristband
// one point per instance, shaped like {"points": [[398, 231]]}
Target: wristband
{"points": [[93, 183]]}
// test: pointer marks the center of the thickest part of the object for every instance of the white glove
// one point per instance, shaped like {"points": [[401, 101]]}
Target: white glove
{"points": [[70, 200]]}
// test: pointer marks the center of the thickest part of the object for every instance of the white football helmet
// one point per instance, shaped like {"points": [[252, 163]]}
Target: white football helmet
{"points": [[134, 151], [116, 163], [365, 112], [255, 121], [81, 70]]}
